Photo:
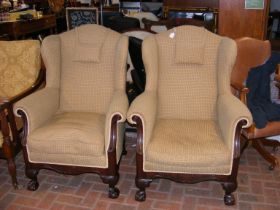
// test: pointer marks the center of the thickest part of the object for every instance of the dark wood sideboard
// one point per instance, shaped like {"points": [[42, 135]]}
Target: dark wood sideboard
{"points": [[22, 28]]}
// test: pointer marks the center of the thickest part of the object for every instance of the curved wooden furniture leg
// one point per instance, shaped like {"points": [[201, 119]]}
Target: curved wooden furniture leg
{"points": [[112, 181], [32, 174], [258, 145], [7, 147], [141, 184], [229, 187]]}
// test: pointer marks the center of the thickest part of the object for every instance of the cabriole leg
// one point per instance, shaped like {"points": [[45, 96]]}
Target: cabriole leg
{"points": [[32, 174], [141, 184], [229, 188]]}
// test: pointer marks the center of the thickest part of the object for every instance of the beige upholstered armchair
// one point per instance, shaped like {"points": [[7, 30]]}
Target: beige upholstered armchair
{"points": [[75, 124], [20, 75], [188, 122]]}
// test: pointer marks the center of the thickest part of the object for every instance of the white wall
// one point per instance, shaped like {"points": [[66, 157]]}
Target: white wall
{"points": [[274, 5]]}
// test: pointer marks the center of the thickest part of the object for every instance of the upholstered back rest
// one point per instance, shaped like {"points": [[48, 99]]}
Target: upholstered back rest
{"points": [[182, 64], [20, 63], [87, 64], [251, 53]]}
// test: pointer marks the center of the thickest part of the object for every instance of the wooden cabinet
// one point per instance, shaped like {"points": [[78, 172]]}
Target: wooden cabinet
{"points": [[191, 3], [17, 29], [235, 21]]}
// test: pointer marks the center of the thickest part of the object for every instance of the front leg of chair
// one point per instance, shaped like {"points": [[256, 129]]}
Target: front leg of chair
{"points": [[32, 174], [141, 184], [8, 153], [229, 188], [140, 180], [7, 147], [112, 181], [112, 175]]}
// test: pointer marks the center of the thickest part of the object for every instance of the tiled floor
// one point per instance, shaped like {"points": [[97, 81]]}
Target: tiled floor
{"points": [[259, 189]]}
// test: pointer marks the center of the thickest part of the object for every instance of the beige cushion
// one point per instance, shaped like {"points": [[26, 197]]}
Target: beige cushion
{"points": [[88, 49], [20, 65], [175, 100], [69, 133], [193, 146], [190, 45], [97, 79]]}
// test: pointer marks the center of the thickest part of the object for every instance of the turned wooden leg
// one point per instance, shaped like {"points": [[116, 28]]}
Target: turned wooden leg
{"points": [[8, 153], [7, 148], [32, 174], [112, 181], [258, 145], [229, 188], [141, 184]]}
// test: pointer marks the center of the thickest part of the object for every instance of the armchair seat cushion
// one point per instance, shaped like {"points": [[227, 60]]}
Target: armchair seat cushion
{"points": [[73, 134], [187, 146]]}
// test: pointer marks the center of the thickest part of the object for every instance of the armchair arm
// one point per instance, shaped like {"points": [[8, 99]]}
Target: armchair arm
{"points": [[118, 108], [230, 112], [143, 112], [240, 91], [38, 107], [5, 102]]}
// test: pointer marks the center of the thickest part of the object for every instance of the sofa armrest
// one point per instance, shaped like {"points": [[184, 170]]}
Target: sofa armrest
{"points": [[38, 107], [231, 111], [142, 112]]}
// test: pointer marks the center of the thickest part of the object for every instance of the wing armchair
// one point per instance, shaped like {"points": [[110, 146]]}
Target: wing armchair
{"points": [[20, 75], [75, 124], [188, 122]]}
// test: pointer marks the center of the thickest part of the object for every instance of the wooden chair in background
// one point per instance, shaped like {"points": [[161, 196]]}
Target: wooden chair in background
{"points": [[21, 74], [253, 53]]}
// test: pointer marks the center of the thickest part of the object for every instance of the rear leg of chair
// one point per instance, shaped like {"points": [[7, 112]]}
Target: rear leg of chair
{"points": [[229, 188], [32, 174], [141, 184], [124, 151], [112, 181]]}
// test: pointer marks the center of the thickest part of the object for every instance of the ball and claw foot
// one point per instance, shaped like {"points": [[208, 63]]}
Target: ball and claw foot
{"points": [[32, 185], [140, 195], [229, 200], [113, 192]]}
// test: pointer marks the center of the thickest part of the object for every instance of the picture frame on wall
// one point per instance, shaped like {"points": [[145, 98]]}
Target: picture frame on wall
{"points": [[76, 16], [254, 4]]}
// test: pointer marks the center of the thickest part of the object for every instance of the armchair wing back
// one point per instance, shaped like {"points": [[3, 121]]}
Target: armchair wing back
{"points": [[188, 121], [188, 62], [84, 105]]}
